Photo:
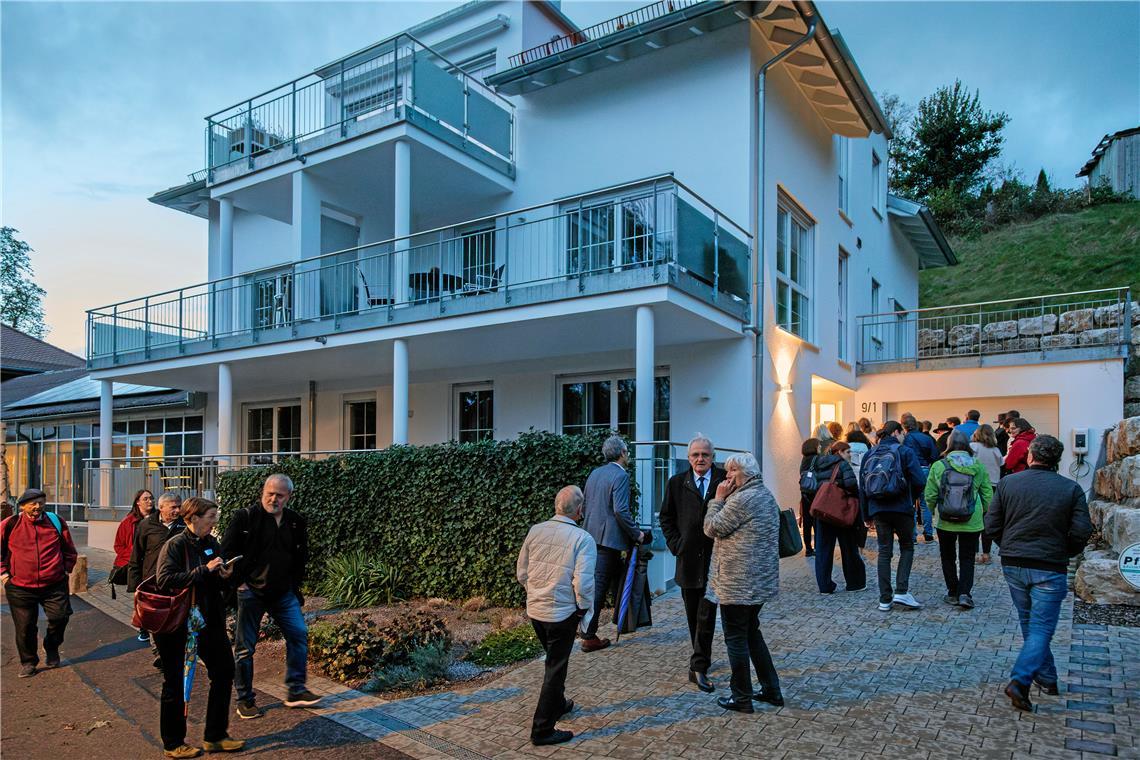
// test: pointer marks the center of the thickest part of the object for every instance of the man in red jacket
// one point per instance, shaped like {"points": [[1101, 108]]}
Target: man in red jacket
{"points": [[36, 555]]}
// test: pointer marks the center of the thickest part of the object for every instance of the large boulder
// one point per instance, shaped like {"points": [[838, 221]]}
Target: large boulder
{"points": [[929, 338], [1045, 324], [1063, 340], [1125, 529], [1119, 480], [1078, 320], [1098, 580], [1132, 409], [1132, 388], [1101, 514], [1000, 330], [964, 335], [1124, 439], [1101, 337], [1113, 314]]}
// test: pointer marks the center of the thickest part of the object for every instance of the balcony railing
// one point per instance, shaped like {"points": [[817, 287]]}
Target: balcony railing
{"points": [[631, 235], [597, 31], [397, 79], [1042, 324]]}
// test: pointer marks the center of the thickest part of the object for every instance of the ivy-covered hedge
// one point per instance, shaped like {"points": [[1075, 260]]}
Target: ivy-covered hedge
{"points": [[451, 517]]}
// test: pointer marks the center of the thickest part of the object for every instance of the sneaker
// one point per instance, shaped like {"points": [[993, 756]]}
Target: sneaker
{"points": [[928, 538], [593, 645], [157, 663], [907, 600], [183, 751], [861, 588], [809, 553], [885, 606], [248, 710], [554, 737], [51, 659], [966, 602], [27, 671], [143, 636], [950, 599], [227, 744], [302, 698]]}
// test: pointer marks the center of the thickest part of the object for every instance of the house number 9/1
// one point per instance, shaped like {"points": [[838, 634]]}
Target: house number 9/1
{"points": [[870, 406]]}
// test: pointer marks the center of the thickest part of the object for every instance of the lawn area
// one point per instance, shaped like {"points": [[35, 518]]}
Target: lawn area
{"points": [[1096, 248]]}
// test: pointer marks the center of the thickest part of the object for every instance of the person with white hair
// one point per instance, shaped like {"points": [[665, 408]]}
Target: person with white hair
{"points": [[556, 567], [269, 544], [743, 520], [687, 496]]}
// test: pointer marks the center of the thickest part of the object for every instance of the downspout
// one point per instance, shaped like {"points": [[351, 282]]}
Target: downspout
{"points": [[756, 327], [312, 415]]}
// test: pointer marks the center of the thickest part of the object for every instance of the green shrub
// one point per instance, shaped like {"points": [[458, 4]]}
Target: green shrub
{"points": [[426, 666], [505, 647], [358, 579], [346, 649], [409, 632], [450, 518]]}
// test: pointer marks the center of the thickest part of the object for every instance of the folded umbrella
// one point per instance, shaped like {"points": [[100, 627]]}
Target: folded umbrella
{"points": [[194, 623], [626, 590]]}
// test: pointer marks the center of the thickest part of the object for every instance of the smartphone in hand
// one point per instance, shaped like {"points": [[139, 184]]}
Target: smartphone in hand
{"points": [[230, 562]]}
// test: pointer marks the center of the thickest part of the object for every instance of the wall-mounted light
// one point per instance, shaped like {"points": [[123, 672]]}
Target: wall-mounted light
{"points": [[704, 395], [785, 388], [321, 339]]}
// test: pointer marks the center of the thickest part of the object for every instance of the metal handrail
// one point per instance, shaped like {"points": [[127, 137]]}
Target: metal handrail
{"points": [[435, 230], [195, 457], [994, 303]]}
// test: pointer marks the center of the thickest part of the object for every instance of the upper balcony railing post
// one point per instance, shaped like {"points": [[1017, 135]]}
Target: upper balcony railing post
{"points": [[343, 105], [293, 116], [653, 236], [180, 310], [249, 133], [115, 334], [146, 327], [507, 260], [716, 254]]}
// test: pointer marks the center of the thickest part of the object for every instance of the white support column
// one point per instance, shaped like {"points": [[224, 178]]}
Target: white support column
{"points": [[106, 423], [225, 413], [402, 219], [306, 246], [643, 431], [399, 391]]}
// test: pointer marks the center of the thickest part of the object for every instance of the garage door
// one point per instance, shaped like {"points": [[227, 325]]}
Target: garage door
{"points": [[1039, 410]]}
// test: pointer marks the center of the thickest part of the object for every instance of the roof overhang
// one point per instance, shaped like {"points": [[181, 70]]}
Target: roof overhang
{"points": [[917, 224], [192, 198], [1101, 147]]}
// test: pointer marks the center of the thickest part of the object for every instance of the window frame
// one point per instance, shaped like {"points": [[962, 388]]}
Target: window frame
{"points": [[877, 183], [615, 379], [789, 215], [347, 439], [843, 275], [843, 159], [457, 429], [277, 407]]}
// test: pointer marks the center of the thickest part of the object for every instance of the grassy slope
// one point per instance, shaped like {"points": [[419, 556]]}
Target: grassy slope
{"points": [[1096, 248]]}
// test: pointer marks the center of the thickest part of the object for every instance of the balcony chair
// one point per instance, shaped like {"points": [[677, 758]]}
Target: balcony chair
{"points": [[370, 294], [484, 283]]}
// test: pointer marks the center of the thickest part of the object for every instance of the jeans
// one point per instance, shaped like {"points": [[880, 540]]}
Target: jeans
{"points": [[1037, 595], [24, 606], [854, 571], [214, 651], [887, 526], [607, 570], [747, 650], [701, 616], [286, 612], [955, 545], [927, 516], [557, 641]]}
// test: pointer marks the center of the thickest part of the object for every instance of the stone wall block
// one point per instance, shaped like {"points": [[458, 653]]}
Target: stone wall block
{"points": [[1125, 529], [1132, 388], [1045, 324], [1000, 330], [1100, 511], [1078, 320], [1063, 340], [1113, 314], [930, 338], [1129, 477], [1100, 337], [1105, 482], [964, 335], [1098, 581], [1132, 409]]}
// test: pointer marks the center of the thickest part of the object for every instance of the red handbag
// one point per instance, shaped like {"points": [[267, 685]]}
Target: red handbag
{"points": [[159, 612], [833, 505]]}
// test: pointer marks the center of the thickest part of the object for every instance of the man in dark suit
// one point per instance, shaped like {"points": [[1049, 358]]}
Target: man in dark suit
{"points": [[610, 522], [682, 521]]}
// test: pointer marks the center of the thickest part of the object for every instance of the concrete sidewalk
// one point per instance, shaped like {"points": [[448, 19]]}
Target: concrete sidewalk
{"points": [[858, 682]]}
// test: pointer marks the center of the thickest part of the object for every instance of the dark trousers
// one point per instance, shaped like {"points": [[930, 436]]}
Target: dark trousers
{"points": [[987, 543], [24, 605], [701, 614], [557, 641], [854, 571], [960, 579], [285, 609], [214, 651], [747, 650], [808, 522], [887, 526], [606, 571]]}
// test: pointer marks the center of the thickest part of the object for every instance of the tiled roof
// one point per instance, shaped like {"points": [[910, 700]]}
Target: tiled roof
{"points": [[21, 352]]}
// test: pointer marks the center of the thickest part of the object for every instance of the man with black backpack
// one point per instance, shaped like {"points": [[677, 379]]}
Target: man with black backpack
{"points": [[888, 475]]}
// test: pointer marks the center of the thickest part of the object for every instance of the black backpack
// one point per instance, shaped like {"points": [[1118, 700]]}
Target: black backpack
{"points": [[809, 484], [956, 495], [882, 473]]}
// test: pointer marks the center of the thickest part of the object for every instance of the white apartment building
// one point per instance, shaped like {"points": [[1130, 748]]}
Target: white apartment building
{"points": [[498, 221]]}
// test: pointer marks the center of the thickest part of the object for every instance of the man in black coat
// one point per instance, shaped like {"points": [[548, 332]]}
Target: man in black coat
{"points": [[682, 521], [152, 532]]}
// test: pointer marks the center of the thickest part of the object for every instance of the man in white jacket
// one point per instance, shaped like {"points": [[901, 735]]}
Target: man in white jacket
{"points": [[556, 567]]}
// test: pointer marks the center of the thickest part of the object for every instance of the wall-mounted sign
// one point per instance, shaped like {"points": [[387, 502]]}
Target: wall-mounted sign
{"points": [[1129, 565]]}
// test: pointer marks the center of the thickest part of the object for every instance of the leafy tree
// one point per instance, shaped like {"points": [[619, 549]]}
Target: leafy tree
{"points": [[21, 299], [898, 114], [949, 145]]}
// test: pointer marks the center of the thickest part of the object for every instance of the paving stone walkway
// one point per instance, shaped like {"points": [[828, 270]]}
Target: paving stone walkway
{"points": [[858, 683]]}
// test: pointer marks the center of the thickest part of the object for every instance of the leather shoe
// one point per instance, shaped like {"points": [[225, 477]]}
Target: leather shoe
{"points": [[702, 681], [1047, 688], [554, 737], [593, 645], [771, 697], [728, 703], [1019, 696]]}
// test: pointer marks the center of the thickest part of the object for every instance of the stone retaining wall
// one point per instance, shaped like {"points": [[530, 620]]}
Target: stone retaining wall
{"points": [[1115, 513]]}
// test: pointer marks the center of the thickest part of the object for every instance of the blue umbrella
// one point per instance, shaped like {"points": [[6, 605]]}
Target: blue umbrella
{"points": [[194, 623], [626, 590]]}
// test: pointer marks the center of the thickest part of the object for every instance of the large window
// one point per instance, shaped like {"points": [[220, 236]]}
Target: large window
{"points": [[843, 159], [618, 232], [610, 403], [360, 424], [841, 301], [273, 429], [474, 413], [793, 269]]}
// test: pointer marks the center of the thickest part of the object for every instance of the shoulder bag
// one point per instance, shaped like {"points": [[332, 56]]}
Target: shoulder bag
{"points": [[833, 505], [790, 542], [159, 612]]}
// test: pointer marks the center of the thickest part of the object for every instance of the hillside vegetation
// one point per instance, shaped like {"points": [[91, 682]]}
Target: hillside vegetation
{"points": [[1060, 253]]}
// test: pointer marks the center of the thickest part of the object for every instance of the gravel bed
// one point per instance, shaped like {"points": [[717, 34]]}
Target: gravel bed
{"points": [[1106, 614]]}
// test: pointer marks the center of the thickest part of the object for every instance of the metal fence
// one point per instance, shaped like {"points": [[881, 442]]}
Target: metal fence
{"points": [[1038, 324], [597, 31], [398, 78], [656, 223]]}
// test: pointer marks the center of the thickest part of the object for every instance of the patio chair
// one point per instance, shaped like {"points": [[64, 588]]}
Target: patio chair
{"points": [[371, 295]]}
